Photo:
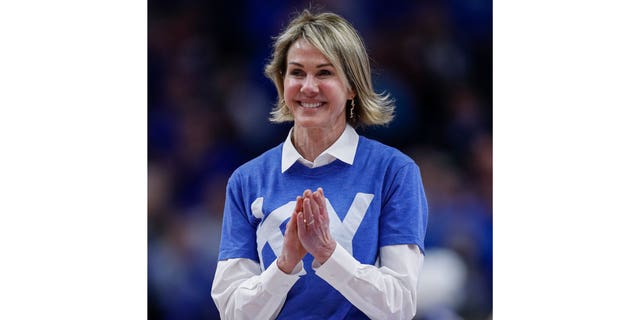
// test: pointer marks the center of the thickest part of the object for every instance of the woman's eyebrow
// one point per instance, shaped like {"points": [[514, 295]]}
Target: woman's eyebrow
{"points": [[322, 65]]}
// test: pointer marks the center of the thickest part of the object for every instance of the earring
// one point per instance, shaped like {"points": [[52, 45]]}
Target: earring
{"points": [[353, 105]]}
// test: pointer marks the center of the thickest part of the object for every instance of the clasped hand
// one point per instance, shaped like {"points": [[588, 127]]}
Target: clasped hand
{"points": [[307, 231]]}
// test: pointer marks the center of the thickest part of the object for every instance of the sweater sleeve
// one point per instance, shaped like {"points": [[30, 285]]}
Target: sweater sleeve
{"points": [[238, 238], [404, 212]]}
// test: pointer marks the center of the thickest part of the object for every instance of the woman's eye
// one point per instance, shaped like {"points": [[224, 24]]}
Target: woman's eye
{"points": [[296, 73], [324, 73]]}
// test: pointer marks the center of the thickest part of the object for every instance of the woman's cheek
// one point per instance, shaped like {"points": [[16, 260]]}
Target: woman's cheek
{"points": [[289, 89]]}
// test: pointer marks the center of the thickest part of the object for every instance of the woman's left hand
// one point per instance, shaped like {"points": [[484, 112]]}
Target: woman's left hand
{"points": [[313, 226]]}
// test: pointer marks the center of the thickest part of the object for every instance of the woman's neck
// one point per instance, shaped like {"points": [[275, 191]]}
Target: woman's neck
{"points": [[311, 142]]}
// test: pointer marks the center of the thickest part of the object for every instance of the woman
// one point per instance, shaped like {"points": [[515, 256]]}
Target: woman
{"points": [[353, 247]]}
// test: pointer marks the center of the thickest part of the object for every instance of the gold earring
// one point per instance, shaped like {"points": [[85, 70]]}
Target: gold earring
{"points": [[353, 105]]}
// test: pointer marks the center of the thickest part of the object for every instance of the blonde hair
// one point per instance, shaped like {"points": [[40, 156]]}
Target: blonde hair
{"points": [[340, 43]]}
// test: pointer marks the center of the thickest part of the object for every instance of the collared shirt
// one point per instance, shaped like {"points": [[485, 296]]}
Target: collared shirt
{"points": [[344, 149], [241, 291]]}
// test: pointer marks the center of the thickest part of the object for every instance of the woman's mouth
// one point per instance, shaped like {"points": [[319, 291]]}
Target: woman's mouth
{"points": [[311, 105]]}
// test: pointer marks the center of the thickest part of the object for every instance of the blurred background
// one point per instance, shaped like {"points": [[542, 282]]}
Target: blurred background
{"points": [[208, 104]]}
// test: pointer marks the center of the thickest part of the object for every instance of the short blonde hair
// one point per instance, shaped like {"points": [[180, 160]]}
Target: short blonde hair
{"points": [[340, 43]]}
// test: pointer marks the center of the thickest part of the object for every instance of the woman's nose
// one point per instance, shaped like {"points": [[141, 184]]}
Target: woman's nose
{"points": [[309, 85]]}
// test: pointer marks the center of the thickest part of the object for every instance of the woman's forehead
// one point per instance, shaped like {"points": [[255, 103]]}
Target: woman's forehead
{"points": [[303, 52]]}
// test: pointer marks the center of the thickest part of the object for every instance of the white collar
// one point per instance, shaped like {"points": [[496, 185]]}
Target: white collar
{"points": [[344, 149]]}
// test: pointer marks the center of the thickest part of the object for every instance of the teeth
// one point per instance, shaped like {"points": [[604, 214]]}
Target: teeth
{"points": [[310, 105]]}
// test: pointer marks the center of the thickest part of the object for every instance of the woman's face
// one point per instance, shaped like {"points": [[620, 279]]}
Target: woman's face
{"points": [[313, 91]]}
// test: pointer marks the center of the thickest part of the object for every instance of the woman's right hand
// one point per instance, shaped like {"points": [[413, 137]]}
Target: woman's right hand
{"points": [[314, 227], [292, 249]]}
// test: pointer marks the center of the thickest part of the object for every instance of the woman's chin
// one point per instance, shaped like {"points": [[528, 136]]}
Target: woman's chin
{"points": [[309, 122]]}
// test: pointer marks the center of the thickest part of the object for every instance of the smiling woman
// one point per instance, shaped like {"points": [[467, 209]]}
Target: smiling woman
{"points": [[315, 95], [340, 47], [343, 251]]}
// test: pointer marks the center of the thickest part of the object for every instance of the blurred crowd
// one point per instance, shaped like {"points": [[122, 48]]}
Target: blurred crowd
{"points": [[208, 104]]}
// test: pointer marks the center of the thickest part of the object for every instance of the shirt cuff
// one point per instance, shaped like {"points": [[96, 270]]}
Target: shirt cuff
{"points": [[339, 268], [278, 282]]}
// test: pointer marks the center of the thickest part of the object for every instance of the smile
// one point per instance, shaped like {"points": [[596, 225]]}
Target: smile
{"points": [[310, 105]]}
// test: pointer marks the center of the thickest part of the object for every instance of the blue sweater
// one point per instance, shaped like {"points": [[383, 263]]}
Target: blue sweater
{"points": [[377, 201]]}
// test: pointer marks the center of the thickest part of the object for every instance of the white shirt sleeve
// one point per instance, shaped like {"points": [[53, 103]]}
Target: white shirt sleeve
{"points": [[240, 291], [388, 292]]}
